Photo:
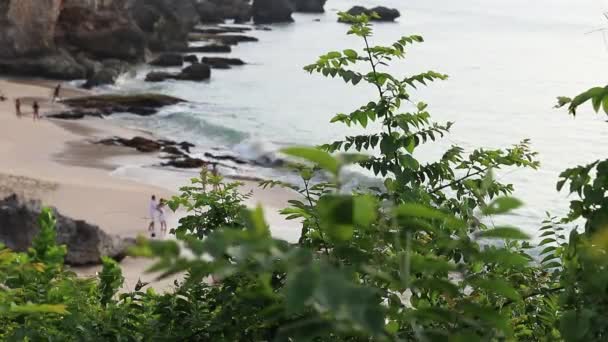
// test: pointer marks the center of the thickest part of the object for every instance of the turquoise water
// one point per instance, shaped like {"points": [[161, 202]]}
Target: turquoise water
{"points": [[507, 61]]}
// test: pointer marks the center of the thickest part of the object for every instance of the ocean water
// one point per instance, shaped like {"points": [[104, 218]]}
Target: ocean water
{"points": [[507, 60]]}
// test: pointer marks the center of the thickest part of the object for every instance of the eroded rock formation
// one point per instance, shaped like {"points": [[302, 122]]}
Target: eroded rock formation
{"points": [[86, 243]]}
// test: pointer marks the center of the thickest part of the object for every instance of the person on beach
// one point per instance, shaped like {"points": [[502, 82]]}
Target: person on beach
{"points": [[161, 216], [18, 107], [153, 209], [2, 97], [36, 108], [56, 93]]}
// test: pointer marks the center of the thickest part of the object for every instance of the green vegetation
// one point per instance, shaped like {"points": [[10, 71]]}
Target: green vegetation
{"points": [[413, 260]]}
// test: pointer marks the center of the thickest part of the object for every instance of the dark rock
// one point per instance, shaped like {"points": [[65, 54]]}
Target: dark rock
{"points": [[60, 65], [217, 11], [229, 61], [86, 243], [220, 29], [186, 163], [209, 48], [173, 151], [111, 69], [166, 23], [225, 39], [143, 144], [160, 76], [142, 104], [168, 60], [262, 28], [384, 13], [195, 72], [225, 157], [90, 65], [309, 6], [191, 59], [233, 39], [272, 11], [186, 146], [76, 114], [146, 145]]}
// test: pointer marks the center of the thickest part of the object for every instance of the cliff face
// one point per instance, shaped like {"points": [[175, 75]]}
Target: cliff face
{"points": [[27, 27]]}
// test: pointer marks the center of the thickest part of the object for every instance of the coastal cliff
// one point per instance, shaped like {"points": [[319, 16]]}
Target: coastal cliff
{"points": [[97, 39]]}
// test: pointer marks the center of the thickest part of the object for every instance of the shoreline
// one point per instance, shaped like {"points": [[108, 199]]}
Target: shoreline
{"points": [[59, 166]]}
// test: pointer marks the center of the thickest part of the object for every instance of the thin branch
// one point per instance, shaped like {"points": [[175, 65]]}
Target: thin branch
{"points": [[468, 175], [534, 294]]}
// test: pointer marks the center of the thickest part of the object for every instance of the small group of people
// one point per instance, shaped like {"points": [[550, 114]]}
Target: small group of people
{"points": [[35, 106], [157, 212], [35, 109]]}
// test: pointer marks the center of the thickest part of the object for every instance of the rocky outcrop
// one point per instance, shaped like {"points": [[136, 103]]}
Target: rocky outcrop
{"points": [[221, 29], [221, 62], [185, 163], [86, 243], [217, 11], [58, 65], [384, 13], [191, 59], [225, 39], [272, 11], [209, 48], [107, 74], [168, 60], [140, 104], [146, 145], [101, 31], [309, 6], [194, 72], [61, 38], [166, 23], [27, 27]]}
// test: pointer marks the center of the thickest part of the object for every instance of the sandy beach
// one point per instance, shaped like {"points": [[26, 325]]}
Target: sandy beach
{"points": [[54, 161]]}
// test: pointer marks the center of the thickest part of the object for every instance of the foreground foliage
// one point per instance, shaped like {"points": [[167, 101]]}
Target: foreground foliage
{"points": [[414, 259]]}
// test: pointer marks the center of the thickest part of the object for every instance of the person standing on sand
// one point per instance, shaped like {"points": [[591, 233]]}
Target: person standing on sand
{"points": [[152, 209], [56, 93], [161, 216], [36, 109], [18, 107]]}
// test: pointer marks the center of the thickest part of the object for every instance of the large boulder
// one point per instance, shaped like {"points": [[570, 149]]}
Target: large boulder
{"points": [[109, 72], [272, 11], [384, 13], [107, 104], [161, 76], [166, 23], [195, 72], [103, 32], [27, 27], [168, 59], [222, 62], [217, 11], [208, 48], [86, 243], [58, 65], [309, 6]]}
